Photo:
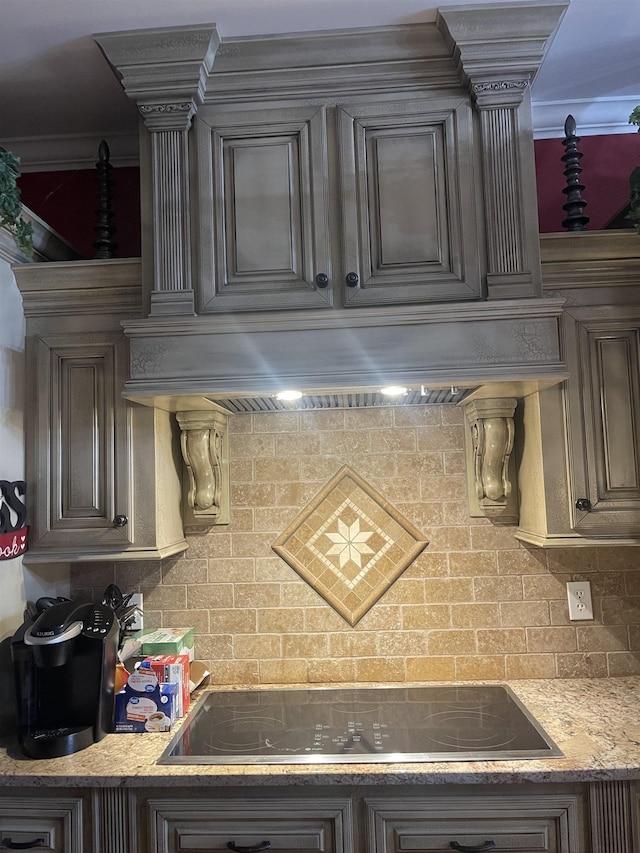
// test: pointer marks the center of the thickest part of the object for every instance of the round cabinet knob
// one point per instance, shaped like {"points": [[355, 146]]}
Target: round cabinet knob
{"points": [[120, 521], [583, 504], [352, 279], [322, 279]]}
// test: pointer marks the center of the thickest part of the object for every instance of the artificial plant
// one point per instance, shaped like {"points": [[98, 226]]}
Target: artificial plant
{"points": [[634, 180], [10, 206]]}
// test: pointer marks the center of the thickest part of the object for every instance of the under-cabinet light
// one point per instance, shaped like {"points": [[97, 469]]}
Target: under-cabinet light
{"points": [[289, 395], [393, 390]]}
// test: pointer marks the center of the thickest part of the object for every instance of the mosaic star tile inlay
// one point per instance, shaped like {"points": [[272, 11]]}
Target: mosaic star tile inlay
{"points": [[350, 544]]}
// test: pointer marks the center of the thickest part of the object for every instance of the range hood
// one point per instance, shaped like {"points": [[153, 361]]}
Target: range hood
{"points": [[487, 325], [332, 311]]}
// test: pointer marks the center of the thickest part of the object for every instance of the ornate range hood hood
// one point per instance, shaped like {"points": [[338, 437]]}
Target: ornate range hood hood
{"points": [[284, 243], [338, 211]]}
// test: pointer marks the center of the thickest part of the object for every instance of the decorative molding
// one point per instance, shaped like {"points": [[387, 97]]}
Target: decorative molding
{"points": [[611, 817], [492, 435], [204, 444]]}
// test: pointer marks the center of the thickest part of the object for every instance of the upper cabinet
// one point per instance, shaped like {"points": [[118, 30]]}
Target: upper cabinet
{"points": [[368, 167], [579, 475], [103, 474], [324, 205]]}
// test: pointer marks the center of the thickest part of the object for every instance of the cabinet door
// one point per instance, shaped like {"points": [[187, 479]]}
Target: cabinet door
{"points": [[80, 469], [50, 824], [262, 206], [293, 825], [409, 223], [603, 413], [538, 823]]}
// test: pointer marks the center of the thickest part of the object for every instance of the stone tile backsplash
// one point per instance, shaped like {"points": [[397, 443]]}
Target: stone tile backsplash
{"points": [[475, 604]]}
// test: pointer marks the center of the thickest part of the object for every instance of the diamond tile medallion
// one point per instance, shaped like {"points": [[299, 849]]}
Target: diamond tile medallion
{"points": [[350, 544]]}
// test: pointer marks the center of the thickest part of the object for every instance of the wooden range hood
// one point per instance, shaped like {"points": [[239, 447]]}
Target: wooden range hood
{"points": [[487, 330]]}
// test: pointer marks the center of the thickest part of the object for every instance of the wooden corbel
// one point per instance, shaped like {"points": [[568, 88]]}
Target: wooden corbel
{"points": [[204, 444], [489, 445]]}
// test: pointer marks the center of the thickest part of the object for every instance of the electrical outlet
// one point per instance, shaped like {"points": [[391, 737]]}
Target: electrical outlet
{"points": [[579, 596], [137, 622]]}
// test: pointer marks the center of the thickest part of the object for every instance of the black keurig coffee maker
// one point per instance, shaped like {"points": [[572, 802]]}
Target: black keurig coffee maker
{"points": [[64, 665]]}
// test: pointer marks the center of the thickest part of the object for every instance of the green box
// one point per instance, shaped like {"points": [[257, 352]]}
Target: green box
{"points": [[168, 641]]}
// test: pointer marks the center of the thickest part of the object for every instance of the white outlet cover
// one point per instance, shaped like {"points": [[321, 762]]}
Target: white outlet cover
{"points": [[579, 598]]}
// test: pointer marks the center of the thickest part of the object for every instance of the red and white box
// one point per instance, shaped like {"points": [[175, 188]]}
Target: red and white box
{"points": [[173, 669]]}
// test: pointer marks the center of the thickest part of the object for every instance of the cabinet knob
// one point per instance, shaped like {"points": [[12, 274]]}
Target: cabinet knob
{"points": [[352, 279], [257, 848], [322, 279], [120, 521], [477, 848], [583, 504]]}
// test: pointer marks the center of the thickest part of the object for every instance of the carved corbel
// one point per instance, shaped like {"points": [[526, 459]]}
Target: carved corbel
{"points": [[204, 443], [490, 442]]}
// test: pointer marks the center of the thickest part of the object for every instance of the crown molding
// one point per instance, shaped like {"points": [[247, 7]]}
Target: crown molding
{"points": [[72, 151], [593, 117]]}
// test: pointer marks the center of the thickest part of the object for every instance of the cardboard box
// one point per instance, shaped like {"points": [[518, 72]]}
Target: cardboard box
{"points": [[146, 705], [168, 641], [173, 669]]}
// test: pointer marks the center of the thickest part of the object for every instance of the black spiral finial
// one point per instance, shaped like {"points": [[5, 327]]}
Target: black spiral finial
{"points": [[104, 245], [574, 206]]}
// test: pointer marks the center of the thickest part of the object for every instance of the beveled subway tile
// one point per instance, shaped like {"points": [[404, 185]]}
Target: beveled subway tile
{"points": [[257, 595], [456, 641], [209, 595], [379, 669], [501, 641], [426, 616], [305, 645], [214, 647], [231, 570], [430, 668], [497, 589], [231, 620], [253, 494], [555, 639], [282, 671], [331, 670], [198, 619], [530, 666], [251, 646], [471, 564], [538, 587], [185, 571], [276, 422], [581, 665], [514, 614], [480, 668], [353, 644], [448, 590], [278, 620], [623, 663], [598, 638], [401, 643], [519, 561], [232, 672], [484, 614]]}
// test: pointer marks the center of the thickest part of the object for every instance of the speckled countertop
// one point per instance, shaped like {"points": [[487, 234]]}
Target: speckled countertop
{"points": [[595, 722]]}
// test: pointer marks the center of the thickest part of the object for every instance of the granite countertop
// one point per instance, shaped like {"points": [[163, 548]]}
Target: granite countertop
{"points": [[595, 722]]}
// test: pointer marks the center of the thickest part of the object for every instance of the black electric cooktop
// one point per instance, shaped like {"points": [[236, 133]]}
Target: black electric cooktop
{"points": [[359, 725]]}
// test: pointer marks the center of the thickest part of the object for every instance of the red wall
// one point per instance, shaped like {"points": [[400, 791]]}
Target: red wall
{"points": [[67, 201], [606, 163]]}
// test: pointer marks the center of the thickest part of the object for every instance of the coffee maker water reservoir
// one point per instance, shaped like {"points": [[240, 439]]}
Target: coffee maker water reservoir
{"points": [[64, 664]]}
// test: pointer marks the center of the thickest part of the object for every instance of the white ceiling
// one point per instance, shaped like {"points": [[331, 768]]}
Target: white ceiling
{"points": [[59, 97]]}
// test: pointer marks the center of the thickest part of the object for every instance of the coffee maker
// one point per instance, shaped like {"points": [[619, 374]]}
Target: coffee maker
{"points": [[64, 664]]}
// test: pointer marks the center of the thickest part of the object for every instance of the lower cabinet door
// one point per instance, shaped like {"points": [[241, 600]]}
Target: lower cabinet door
{"points": [[251, 826], [537, 823], [49, 824]]}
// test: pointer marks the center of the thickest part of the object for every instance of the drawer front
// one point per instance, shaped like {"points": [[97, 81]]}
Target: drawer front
{"points": [[511, 823], [282, 825], [50, 825]]}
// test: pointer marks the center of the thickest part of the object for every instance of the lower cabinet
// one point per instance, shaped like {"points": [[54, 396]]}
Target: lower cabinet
{"points": [[540, 822], [46, 823], [251, 825]]}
